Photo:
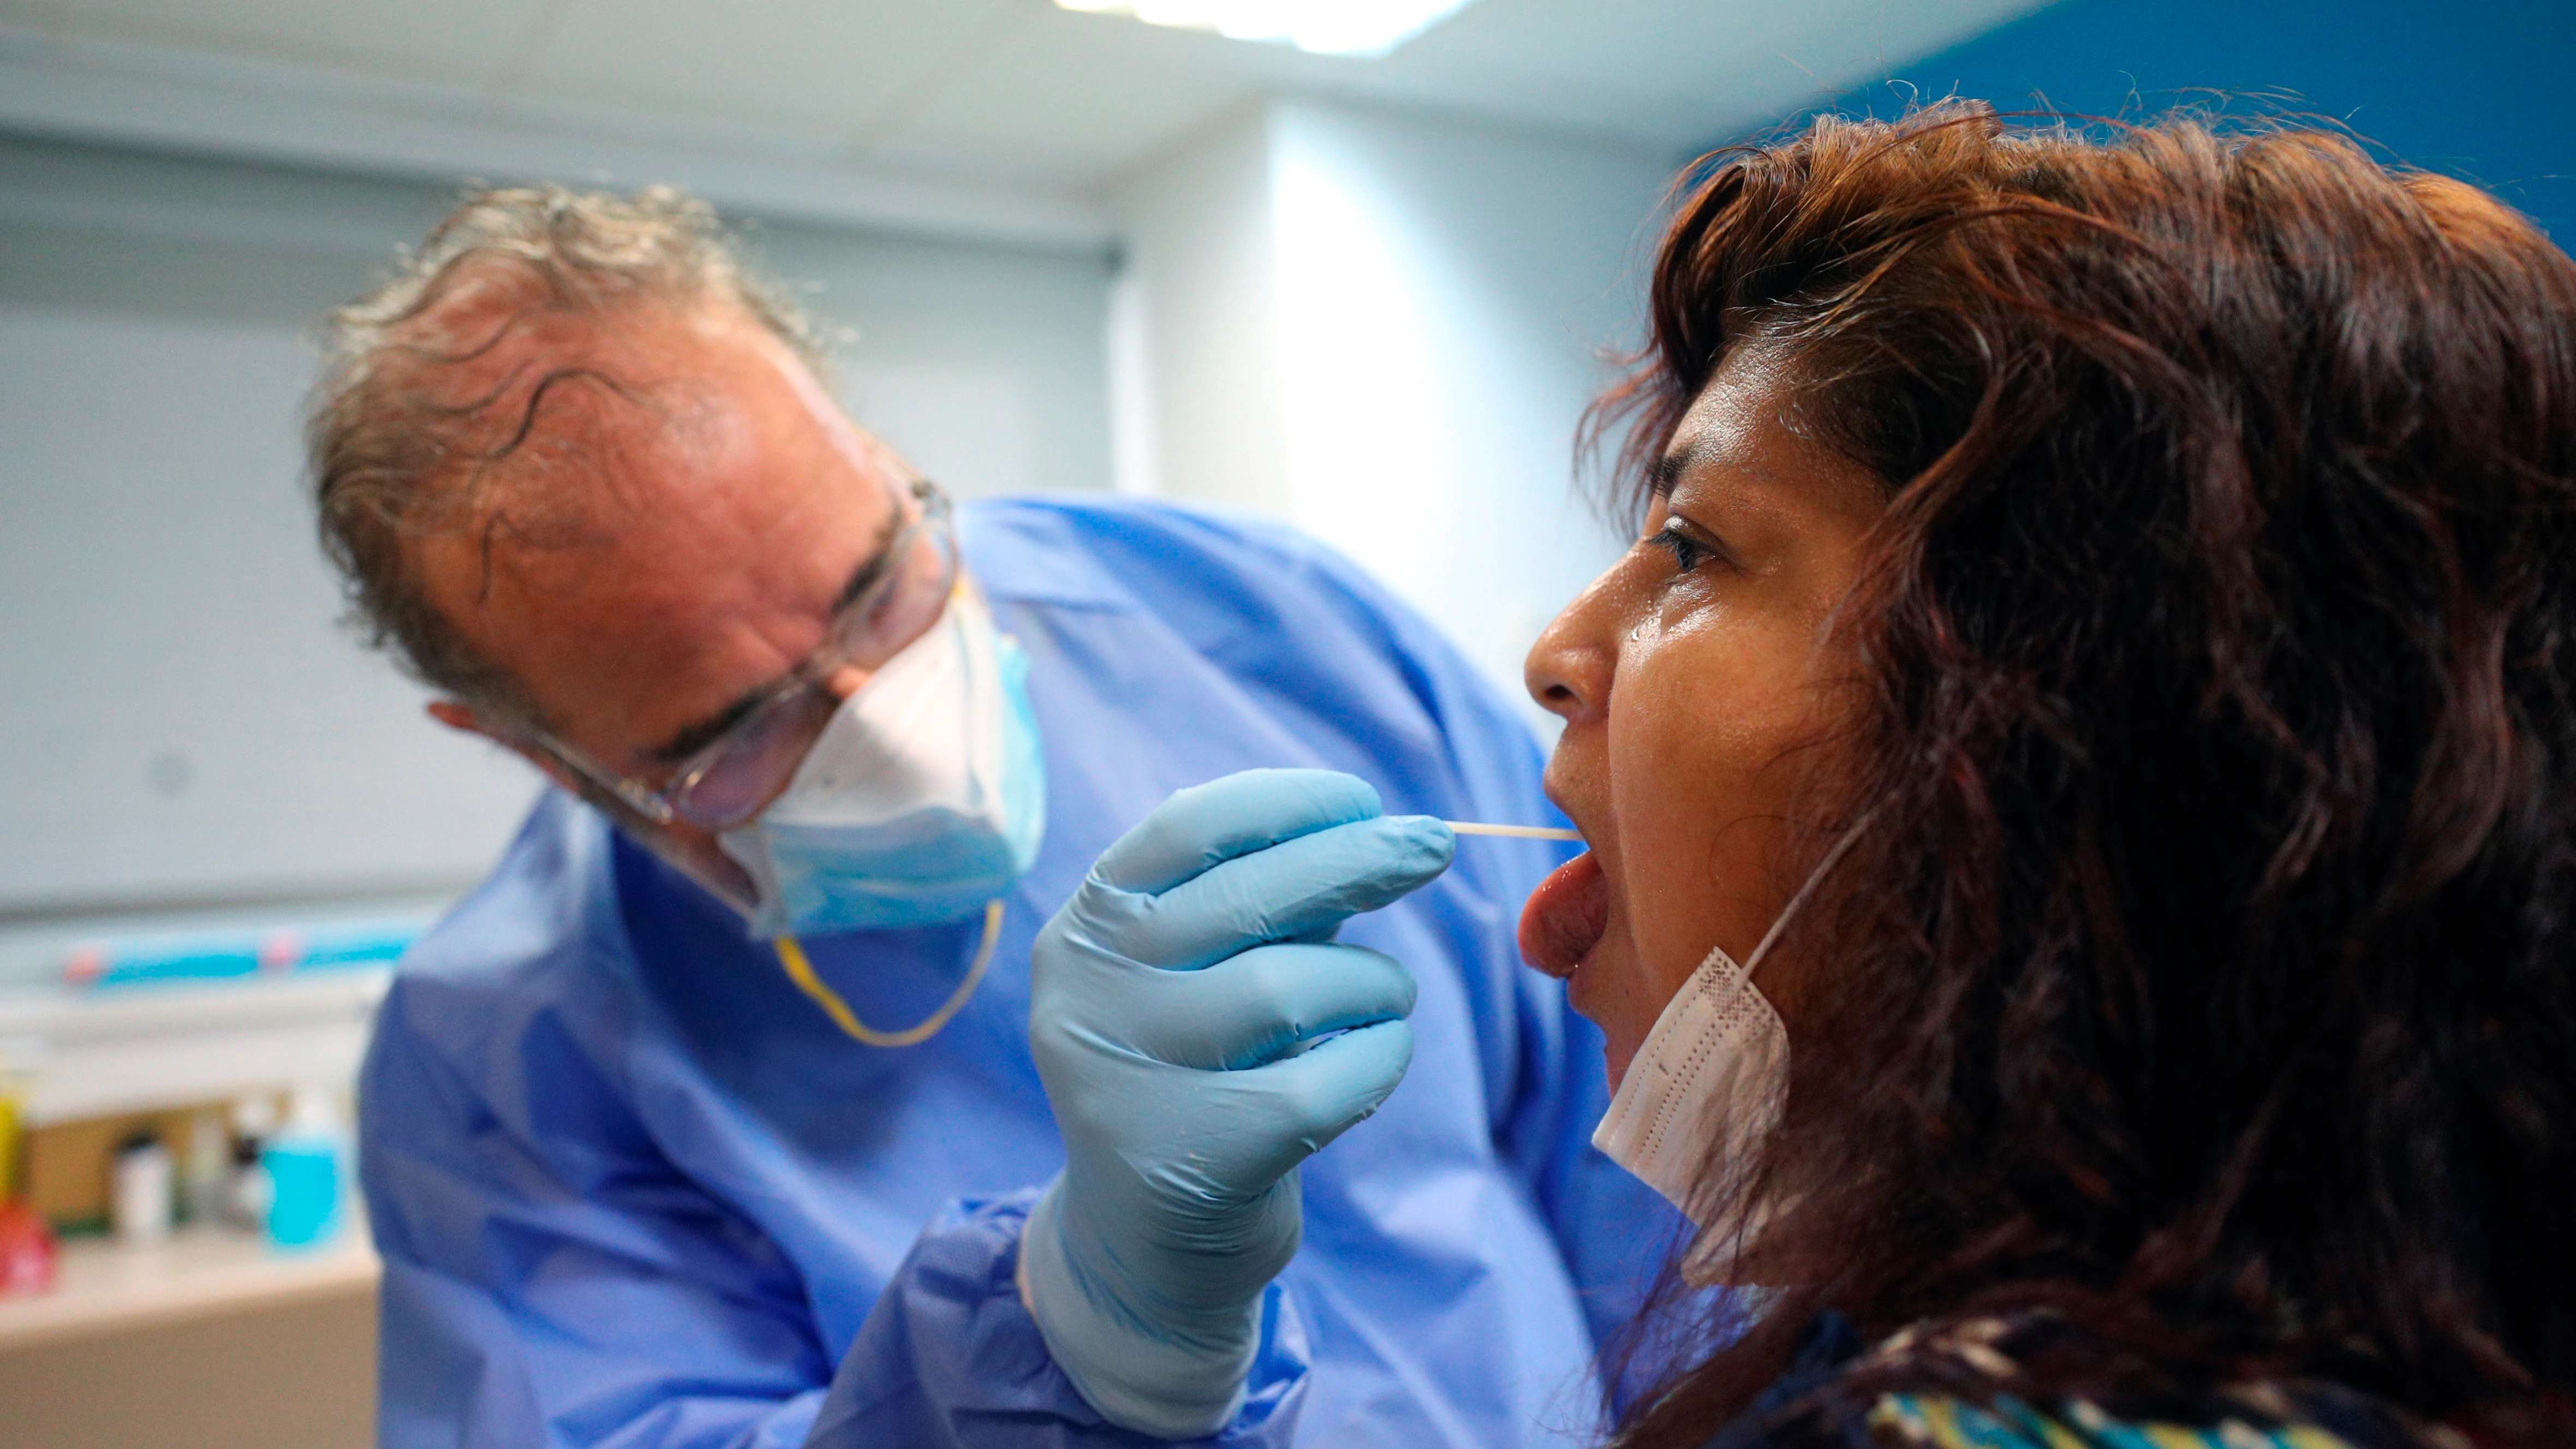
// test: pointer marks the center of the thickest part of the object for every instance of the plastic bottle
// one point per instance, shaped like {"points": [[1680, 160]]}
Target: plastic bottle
{"points": [[28, 1257], [302, 1164], [139, 1201], [207, 1174], [245, 1195]]}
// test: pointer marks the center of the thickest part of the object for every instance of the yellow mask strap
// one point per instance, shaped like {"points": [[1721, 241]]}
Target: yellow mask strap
{"points": [[801, 971]]}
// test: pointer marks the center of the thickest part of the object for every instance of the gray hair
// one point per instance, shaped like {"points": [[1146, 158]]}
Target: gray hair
{"points": [[389, 457]]}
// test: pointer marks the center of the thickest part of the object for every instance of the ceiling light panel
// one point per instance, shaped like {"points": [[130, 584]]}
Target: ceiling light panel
{"points": [[1368, 28]]}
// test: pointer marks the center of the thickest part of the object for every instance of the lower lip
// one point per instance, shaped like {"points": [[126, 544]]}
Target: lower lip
{"points": [[1566, 916]]}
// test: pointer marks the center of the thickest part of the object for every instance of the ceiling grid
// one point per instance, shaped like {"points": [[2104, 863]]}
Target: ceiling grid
{"points": [[1005, 118]]}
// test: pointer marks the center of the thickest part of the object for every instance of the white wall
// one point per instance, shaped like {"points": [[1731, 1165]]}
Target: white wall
{"points": [[180, 719], [982, 363], [1204, 416], [1393, 344], [1379, 327]]}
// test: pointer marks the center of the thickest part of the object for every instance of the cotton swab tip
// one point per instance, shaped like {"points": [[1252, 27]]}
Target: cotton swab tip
{"points": [[1518, 832]]}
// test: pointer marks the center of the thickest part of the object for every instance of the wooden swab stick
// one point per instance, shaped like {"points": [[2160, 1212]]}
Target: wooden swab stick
{"points": [[1521, 832]]}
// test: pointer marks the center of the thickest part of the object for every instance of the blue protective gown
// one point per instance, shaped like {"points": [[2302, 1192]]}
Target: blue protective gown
{"points": [[632, 1188]]}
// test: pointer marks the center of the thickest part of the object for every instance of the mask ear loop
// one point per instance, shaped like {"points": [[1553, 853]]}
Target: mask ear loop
{"points": [[1831, 858], [801, 971]]}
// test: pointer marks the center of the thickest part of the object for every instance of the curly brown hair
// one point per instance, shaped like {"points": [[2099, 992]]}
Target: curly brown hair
{"points": [[2201, 972]]}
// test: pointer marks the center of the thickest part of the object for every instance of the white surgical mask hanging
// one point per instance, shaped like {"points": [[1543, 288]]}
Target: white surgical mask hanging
{"points": [[1708, 1085]]}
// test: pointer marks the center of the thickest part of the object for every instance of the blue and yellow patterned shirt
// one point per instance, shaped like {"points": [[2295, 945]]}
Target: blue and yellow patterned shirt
{"points": [[1928, 1388]]}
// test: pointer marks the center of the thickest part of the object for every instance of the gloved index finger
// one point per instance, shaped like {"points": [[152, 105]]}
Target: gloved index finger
{"points": [[1208, 824], [1296, 890]]}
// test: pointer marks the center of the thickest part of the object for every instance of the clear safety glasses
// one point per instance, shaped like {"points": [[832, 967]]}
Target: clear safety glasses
{"points": [[898, 595]]}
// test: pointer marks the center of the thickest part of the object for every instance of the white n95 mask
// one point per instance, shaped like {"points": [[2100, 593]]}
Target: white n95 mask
{"points": [[1705, 1090], [922, 800]]}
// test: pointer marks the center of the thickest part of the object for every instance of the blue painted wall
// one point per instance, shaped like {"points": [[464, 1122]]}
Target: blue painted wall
{"points": [[2474, 88]]}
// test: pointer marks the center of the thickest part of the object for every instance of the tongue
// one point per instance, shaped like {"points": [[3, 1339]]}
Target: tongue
{"points": [[1566, 916]]}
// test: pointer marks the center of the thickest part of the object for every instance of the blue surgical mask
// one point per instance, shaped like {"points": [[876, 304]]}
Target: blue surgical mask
{"points": [[922, 800]]}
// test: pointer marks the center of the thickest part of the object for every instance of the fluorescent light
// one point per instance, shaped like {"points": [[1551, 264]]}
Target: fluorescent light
{"points": [[1327, 27]]}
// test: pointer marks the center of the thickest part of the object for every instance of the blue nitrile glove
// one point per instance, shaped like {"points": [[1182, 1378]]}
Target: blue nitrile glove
{"points": [[1176, 1005]]}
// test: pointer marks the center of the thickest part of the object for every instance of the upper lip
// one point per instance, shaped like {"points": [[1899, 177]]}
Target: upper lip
{"points": [[1556, 797]]}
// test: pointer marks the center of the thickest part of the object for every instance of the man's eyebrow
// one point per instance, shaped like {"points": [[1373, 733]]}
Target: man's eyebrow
{"points": [[876, 565], [698, 734]]}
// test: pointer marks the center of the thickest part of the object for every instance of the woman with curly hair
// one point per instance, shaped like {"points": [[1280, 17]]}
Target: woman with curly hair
{"points": [[2080, 772]]}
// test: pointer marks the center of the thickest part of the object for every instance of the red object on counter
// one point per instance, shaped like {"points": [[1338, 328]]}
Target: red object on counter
{"points": [[28, 1256]]}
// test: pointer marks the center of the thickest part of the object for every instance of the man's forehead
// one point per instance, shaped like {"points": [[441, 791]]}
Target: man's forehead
{"points": [[480, 348], [543, 416], [627, 626], [652, 550]]}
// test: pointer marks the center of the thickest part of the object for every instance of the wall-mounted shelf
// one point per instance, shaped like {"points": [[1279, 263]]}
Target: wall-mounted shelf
{"points": [[93, 1054]]}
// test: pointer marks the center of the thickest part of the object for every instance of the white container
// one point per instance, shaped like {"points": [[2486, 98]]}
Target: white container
{"points": [[141, 1193]]}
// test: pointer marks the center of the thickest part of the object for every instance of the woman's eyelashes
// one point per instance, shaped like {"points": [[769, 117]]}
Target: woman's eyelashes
{"points": [[1688, 551]]}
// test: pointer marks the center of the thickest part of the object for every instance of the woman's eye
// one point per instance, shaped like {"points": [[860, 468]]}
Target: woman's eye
{"points": [[1688, 553]]}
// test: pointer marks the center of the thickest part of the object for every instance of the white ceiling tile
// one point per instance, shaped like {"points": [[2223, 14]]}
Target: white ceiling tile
{"points": [[816, 68], [456, 42], [1022, 94], [1083, 97]]}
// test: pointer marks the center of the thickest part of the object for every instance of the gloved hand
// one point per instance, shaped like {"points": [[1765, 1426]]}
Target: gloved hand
{"points": [[1175, 1008]]}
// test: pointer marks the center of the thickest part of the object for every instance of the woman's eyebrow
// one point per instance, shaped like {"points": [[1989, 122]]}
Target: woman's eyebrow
{"points": [[1679, 457], [1668, 470]]}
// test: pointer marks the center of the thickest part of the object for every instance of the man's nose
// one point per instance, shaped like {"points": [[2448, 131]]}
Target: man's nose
{"points": [[845, 681]]}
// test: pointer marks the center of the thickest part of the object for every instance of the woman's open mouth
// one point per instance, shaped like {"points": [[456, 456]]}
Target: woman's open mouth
{"points": [[1566, 916]]}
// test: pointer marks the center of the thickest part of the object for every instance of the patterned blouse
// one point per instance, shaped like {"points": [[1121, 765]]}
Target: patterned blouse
{"points": [[1808, 1409]]}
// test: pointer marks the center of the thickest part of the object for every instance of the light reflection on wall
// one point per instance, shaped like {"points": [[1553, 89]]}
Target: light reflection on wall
{"points": [[1442, 298]]}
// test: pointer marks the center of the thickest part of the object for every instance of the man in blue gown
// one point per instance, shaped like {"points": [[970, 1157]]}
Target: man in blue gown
{"points": [[635, 1185]]}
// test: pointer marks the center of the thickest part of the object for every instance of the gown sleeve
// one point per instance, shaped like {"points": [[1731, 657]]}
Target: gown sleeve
{"points": [[578, 1294], [561, 1285], [950, 1358]]}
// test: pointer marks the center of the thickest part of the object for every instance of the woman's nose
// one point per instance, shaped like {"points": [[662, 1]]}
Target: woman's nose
{"points": [[1568, 669]]}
